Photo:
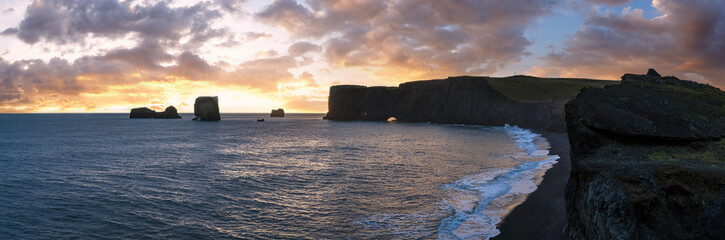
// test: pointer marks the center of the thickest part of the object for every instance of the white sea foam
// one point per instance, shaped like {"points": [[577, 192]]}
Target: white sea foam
{"points": [[479, 202], [474, 205]]}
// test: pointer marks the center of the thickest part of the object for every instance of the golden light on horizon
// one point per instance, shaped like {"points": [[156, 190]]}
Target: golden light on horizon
{"points": [[287, 53]]}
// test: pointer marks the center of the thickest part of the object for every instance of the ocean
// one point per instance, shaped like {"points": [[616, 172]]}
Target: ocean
{"points": [[104, 176]]}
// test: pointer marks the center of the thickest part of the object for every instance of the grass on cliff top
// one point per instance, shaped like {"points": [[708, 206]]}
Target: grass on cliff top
{"points": [[711, 153], [529, 89]]}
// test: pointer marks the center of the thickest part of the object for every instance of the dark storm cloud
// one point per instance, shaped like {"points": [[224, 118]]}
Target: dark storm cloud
{"points": [[433, 37], [63, 21], [688, 40]]}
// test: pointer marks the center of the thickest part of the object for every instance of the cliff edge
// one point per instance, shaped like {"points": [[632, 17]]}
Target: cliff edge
{"points": [[647, 160], [529, 102]]}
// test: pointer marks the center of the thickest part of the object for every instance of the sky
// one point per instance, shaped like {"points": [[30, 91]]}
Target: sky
{"points": [[114, 55]]}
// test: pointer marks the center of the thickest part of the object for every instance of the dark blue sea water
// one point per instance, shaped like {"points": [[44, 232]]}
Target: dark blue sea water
{"points": [[104, 176]]}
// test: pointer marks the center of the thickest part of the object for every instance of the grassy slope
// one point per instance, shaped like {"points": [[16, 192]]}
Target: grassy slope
{"points": [[529, 89]]}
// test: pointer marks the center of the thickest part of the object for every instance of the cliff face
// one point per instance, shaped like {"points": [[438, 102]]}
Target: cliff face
{"points": [[207, 109], [277, 113], [648, 161], [169, 113], [456, 100]]}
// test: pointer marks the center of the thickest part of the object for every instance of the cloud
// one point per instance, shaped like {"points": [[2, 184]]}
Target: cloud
{"points": [[9, 31], [609, 2], [231, 5], [256, 35], [264, 73], [137, 74], [687, 39], [21, 80], [423, 38], [66, 22], [300, 48]]}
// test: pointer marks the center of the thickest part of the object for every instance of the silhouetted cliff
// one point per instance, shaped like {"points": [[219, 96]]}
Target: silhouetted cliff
{"points": [[528, 102], [277, 113], [169, 113], [206, 109], [647, 160]]}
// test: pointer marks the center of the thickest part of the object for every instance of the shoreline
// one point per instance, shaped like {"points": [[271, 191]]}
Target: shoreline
{"points": [[543, 214]]}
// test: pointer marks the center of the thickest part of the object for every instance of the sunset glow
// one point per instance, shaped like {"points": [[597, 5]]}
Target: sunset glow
{"points": [[114, 55]]}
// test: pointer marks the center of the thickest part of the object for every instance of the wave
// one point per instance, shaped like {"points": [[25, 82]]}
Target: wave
{"points": [[473, 206], [479, 202]]}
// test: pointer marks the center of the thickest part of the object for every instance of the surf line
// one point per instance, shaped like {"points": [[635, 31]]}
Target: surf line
{"points": [[480, 201]]}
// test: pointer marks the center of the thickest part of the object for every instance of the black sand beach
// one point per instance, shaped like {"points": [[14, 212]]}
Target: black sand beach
{"points": [[543, 215]]}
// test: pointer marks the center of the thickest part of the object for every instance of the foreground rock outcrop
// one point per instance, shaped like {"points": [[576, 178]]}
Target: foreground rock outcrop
{"points": [[535, 103], [648, 160], [169, 113], [207, 109], [277, 113]]}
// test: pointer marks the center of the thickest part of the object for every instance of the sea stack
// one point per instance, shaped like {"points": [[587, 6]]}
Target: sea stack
{"points": [[647, 160], [206, 109], [144, 112], [277, 113]]}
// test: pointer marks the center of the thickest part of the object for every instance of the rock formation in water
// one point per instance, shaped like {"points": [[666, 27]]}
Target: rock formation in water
{"points": [[648, 160], [277, 113], [169, 113], [206, 109], [528, 102]]}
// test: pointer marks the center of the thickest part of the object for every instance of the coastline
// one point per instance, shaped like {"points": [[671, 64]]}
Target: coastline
{"points": [[543, 214]]}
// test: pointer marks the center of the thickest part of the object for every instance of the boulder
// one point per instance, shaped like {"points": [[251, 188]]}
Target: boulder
{"points": [[647, 161], [277, 113], [207, 109], [144, 112]]}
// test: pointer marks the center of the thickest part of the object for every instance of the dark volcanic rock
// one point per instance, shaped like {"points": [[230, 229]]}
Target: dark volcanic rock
{"points": [[456, 100], [647, 161], [659, 111], [207, 109], [277, 113], [652, 72], [143, 112], [169, 113]]}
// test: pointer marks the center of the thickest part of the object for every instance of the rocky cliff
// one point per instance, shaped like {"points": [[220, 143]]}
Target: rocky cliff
{"points": [[535, 103], [277, 113], [169, 113], [207, 109], [647, 160]]}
